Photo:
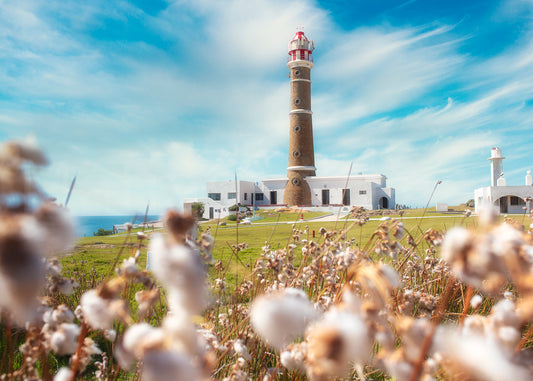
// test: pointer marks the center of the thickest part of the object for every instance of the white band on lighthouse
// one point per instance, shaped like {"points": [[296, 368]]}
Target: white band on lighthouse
{"points": [[301, 80], [300, 111], [300, 63], [301, 168]]}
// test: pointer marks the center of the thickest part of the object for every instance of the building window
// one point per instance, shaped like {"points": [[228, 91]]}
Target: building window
{"points": [[516, 201], [259, 197], [245, 196], [362, 192], [345, 197], [214, 196], [297, 101], [232, 195], [296, 154], [297, 128]]}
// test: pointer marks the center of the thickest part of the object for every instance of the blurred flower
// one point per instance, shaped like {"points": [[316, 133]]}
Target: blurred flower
{"points": [[181, 271], [280, 317], [338, 340]]}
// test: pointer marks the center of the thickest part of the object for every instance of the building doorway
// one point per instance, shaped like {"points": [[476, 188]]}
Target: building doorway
{"points": [[273, 197], [384, 203], [211, 213], [503, 205], [325, 196], [346, 197]]}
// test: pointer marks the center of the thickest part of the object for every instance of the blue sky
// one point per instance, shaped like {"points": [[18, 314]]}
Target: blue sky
{"points": [[145, 101]]}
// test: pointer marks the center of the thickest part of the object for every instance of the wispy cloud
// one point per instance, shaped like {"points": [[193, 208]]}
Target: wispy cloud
{"points": [[149, 104]]}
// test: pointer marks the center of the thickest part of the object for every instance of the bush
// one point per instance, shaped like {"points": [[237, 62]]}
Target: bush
{"points": [[232, 217], [102, 232], [197, 209]]}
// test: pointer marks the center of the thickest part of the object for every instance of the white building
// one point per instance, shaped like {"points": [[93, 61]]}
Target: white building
{"points": [[503, 198], [327, 192]]}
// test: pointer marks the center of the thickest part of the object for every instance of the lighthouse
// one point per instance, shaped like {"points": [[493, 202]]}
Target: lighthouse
{"points": [[301, 150], [301, 187]]}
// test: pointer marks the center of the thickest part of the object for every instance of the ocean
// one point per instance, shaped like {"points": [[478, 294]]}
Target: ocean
{"points": [[88, 225]]}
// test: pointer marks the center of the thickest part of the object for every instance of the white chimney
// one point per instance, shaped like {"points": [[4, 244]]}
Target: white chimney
{"points": [[528, 178]]}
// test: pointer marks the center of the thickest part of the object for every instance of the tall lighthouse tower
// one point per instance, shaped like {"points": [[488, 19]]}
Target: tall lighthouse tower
{"points": [[301, 151]]}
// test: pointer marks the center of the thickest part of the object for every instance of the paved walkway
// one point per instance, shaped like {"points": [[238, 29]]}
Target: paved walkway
{"points": [[333, 217]]}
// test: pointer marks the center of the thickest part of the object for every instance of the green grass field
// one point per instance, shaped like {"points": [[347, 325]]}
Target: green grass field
{"points": [[99, 253]]}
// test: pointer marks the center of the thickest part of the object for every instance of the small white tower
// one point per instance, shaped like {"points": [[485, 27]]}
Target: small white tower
{"points": [[529, 181], [496, 166]]}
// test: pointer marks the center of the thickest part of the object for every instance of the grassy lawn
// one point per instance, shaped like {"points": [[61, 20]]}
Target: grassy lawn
{"points": [[93, 260], [99, 253]]}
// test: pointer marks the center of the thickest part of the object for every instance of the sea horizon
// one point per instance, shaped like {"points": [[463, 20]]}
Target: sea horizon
{"points": [[86, 226]]}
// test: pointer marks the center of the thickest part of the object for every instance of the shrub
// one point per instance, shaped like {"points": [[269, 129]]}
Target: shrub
{"points": [[198, 209], [102, 232]]}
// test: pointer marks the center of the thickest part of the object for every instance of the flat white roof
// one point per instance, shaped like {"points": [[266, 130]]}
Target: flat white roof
{"points": [[352, 177]]}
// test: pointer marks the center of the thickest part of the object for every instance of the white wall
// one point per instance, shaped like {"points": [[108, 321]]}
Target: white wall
{"points": [[270, 185], [219, 209], [492, 195], [365, 191]]}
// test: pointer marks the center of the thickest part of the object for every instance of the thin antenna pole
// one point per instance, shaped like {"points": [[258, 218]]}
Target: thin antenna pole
{"points": [[146, 214], [236, 233], [70, 191], [237, 211], [343, 194]]}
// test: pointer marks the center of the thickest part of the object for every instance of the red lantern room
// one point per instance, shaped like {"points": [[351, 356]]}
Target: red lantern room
{"points": [[301, 48]]}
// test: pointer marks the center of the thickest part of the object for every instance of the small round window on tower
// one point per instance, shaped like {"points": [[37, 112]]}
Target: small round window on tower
{"points": [[298, 128], [296, 154], [297, 101], [295, 181], [297, 73]]}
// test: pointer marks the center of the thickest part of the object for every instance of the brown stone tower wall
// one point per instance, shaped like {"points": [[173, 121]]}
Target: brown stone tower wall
{"points": [[301, 150]]}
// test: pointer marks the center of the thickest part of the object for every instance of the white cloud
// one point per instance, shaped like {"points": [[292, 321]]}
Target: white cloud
{"points": [[141, 120]]}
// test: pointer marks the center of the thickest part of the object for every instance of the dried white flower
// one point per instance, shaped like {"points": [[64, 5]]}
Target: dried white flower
{"points": [[456, 240], [241, 350], [476, 301], [129, 267], [335, 342], [391, 275], [65, 339], [64, 374], [180, 269], [161, 365], [279, 318], [141, 336], [62, 315], [96, 311], [57, 229], [479, 356], [506, 240], [110, 334], [293, 357]]}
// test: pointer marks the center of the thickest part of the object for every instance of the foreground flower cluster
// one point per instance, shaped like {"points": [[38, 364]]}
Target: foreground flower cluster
{"points": [[408, 304]]}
